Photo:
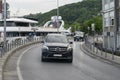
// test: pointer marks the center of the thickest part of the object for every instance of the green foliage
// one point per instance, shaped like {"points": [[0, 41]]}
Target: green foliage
{"points": [[97, 20], [77, 15], [75, 26]]}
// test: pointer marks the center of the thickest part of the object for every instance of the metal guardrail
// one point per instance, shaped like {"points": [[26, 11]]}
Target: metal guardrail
{"points": [[99, 50], [16, 43]]}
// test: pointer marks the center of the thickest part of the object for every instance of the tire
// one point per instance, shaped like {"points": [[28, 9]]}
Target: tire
{"points": [[70, 60], [43, 59]]}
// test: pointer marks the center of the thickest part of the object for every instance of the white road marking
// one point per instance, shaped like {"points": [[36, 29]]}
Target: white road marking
{"points": [[18, 63]]}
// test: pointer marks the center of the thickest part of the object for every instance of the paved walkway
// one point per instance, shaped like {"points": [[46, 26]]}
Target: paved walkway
{"points": [[5, 58]]}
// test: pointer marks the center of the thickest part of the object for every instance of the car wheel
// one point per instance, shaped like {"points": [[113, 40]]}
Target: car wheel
{"points": [[43, 59], [70, 60]]}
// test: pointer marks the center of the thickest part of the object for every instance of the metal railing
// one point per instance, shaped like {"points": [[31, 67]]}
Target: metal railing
{"points": [[97, 49], [16, 43]]}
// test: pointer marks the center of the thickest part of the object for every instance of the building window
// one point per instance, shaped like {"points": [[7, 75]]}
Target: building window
{"points": [[22, 24], [112, 21], [106, 22]]}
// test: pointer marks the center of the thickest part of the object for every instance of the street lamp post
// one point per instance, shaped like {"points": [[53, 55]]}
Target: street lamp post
{"points": [[88, 33], [93, 29], [58, 15], [116, 14], [5, 25], [88, 29]]}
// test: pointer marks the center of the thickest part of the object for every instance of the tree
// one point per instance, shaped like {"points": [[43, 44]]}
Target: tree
{"points": [[97, 20]]}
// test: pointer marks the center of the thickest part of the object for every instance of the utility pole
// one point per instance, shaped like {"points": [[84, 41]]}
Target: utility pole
{"points": [[88, 29], [58, 15], [116, 14], [0, 9], [93, 29], [5, 24]]}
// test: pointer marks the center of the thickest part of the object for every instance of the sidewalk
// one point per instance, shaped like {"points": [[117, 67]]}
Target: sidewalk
{"points": [[5, 58], [103, 55]]}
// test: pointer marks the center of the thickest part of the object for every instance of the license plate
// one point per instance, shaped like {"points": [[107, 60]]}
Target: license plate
{"points": [[57, 55]]}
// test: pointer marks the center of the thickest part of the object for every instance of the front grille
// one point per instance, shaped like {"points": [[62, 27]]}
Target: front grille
{"points": [[58, 49]]}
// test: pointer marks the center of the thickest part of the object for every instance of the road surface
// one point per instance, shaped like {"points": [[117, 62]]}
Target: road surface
{"points": [[83, 67]]}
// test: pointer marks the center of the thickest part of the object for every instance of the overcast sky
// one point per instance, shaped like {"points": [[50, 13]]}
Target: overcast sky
{"points": [[23, 7]]}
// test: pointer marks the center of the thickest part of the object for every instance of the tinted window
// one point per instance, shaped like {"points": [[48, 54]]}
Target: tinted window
{"points": [[8, 23], [56, 39], [22, 24]]}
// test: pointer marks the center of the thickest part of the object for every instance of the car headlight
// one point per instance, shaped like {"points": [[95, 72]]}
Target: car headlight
{"points": [[69, 48], [45, 48]]}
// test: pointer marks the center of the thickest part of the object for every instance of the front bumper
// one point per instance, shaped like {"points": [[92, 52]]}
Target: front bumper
{"points": [[61, 55]]}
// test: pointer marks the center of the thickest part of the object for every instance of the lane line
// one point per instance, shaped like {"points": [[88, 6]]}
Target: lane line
{"points": [[18, 63]]}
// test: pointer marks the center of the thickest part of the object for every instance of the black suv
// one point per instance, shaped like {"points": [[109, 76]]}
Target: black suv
{"points": [[56, 46], [79, 37]]}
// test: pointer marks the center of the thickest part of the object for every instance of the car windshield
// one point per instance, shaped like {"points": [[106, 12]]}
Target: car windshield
{"points": [[56, 39]]}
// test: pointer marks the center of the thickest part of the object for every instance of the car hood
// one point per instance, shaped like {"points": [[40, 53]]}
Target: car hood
{"points": [[57, 44]]}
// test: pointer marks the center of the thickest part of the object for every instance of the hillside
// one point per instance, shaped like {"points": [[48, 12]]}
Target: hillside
{"points": [[72, 13]]}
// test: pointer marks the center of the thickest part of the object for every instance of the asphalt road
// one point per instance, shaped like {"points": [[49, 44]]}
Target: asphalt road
{"points": [[83, 67]]}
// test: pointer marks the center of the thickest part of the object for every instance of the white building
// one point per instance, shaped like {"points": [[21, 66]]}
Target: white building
{"points": [[110, 34]]}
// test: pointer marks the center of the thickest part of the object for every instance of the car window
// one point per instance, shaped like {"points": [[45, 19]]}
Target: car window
{"points": [[56, 39]]}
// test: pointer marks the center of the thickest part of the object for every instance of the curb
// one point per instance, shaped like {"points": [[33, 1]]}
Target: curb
{"points": [[87, 51], [7, 55]]}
